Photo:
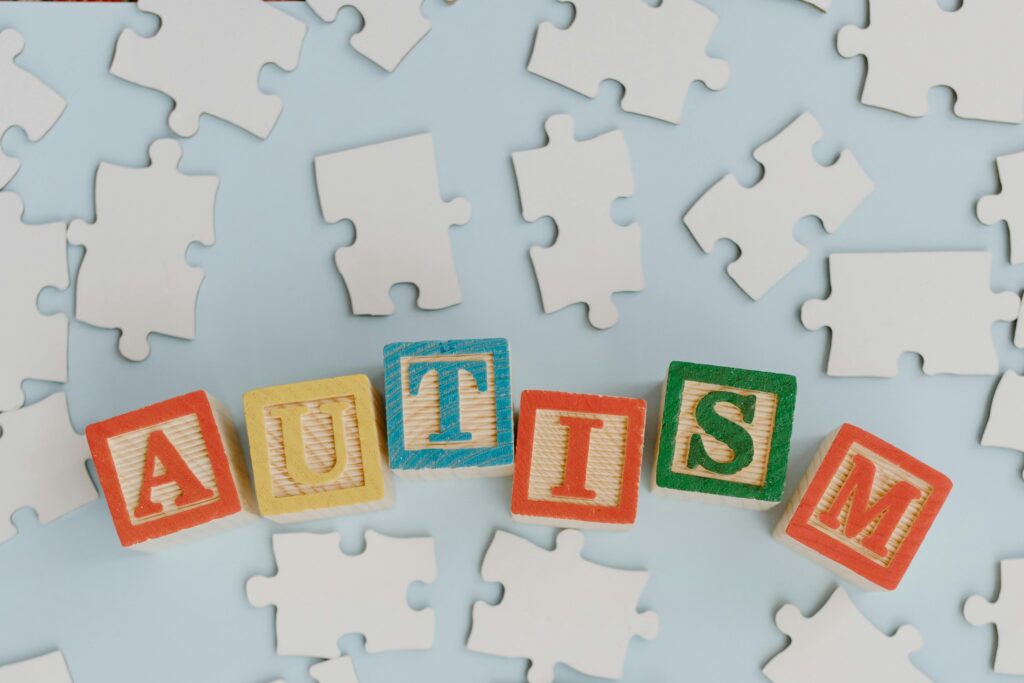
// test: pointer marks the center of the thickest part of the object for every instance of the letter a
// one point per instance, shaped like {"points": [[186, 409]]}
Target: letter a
{"points": [[176, 471]]}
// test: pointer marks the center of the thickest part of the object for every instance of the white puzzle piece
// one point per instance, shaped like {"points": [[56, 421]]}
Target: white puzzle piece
{"points": [[839, 645], [25, 101], [559, 608], [1008, 205], [391, 193], [49, 668], [321, 594], [32, 345], [760, 219], [912, 46], [340, 670], [656, 53], [823, 5], [207, 56], [42, 464], [1005, 426], [1007, 614], [134, 276], [575, 182], [937, 304], [391, 29]]}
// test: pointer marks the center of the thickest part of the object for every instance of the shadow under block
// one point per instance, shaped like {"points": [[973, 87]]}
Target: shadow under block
{"points": [[171, 471], [317, 449], [724, 435], [863, 508], [449, 408], [578, 459]]}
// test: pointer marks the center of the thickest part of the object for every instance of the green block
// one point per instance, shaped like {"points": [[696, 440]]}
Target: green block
{"points": [[724, 435]]}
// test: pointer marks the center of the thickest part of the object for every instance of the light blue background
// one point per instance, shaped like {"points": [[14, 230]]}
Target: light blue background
{"points": [[273, 309]]}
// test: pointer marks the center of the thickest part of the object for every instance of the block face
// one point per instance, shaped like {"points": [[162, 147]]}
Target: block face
{"points": [[165, 468], [578, 458], [449, 406], [866, 505], [316, 446], [725, 432]]}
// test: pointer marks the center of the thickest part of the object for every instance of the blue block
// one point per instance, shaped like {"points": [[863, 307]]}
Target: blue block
{"points": [[428, 434]]}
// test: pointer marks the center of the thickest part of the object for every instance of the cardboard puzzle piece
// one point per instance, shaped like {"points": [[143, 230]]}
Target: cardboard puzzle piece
{"points": [[1004, 428], [1007, 614], [839, 645], [823, 5], [32, 345], [449, 408], [390, 192], [575, 182], [48, 668], [760, 219], [321, 594], [656, 53], [42, 464], [340, 670], [25, 101], [134, 276], [391, 28], [724, 435], [172, 471], [203, 60], [578, 459], [318, 449], [559, 608], [937, 304], [1008, 205], [863, 508], [914, 45]]}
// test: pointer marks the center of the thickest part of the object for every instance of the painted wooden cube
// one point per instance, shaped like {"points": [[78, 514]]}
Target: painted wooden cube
{"points": [[724, 435], [578, 459], [863, 508], [449, 408], [171, 471], [317, 448]]}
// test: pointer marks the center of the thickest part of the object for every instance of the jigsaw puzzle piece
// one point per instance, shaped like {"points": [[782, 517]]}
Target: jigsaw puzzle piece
{"points": [[575, 182], [207, 56], [48, 668], [32, 345], [322, 594], [937, 304], [559, 608], [340, 670], [392, 28], [761, 219], [1007, 614], [1004, 428], [390, 191], [839, 645], [656, 53], [134, 276], [25, 101], [1008, 205], [42, 461]]}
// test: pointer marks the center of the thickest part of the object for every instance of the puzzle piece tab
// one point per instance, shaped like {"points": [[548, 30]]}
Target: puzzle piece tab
{"points": [[1004, 428], [760, 219], [656, 53], [575, 182], [391, 28], [937, 304], [912, 46], [42, 464], [1008, 205], [25, 101], [134, 276], [321, 594], [32, 345], [207, 56], [48, 668], [1007, 614], [390, 191], [340, 670], [839, 645]]}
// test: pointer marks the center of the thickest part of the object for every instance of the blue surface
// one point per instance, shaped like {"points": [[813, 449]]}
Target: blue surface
{"points": [[273, 309]]}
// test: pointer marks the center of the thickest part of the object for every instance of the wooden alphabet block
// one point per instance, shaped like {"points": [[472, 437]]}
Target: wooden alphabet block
{"points": [[863, 508], [449, 408], [725, 435], [317, 448], [578, 459], [171, 471]]}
